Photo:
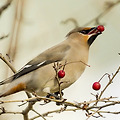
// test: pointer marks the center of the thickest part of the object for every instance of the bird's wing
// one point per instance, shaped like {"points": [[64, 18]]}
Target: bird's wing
{"points": [[51, 55]]}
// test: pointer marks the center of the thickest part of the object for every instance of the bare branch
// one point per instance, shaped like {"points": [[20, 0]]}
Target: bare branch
{"points": [[3, 37], [8, 63], [96, 19], [110, 81], [109, 6], [74, 21], [38, 114], [4, 7]]}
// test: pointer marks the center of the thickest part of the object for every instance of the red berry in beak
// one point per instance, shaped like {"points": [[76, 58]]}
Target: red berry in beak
{"points": [[96, 86], [61, 73], [100, 28]]}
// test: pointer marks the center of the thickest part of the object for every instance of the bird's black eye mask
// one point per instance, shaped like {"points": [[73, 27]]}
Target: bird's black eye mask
{"points": [[93, 30], [87, 31]]}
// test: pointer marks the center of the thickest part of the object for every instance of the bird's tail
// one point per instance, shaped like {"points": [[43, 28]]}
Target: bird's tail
{"points": [[8, 80], [12, 87]]}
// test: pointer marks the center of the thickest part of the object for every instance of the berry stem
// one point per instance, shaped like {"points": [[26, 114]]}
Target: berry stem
{"points": [[106, 74], [56, 67], [110, 81]]}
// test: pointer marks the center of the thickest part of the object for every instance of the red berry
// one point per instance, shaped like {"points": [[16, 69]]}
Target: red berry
{"points": [[100, 28], [96, 86], [61, 73]]}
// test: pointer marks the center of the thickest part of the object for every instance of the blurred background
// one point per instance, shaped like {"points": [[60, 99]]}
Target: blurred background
{"points": [[28, 27]]}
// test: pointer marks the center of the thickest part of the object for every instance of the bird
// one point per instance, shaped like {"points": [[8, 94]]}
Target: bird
{"points": [[39, 75]]}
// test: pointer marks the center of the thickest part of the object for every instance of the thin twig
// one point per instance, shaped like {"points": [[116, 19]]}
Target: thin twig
{"points": [[55, 111], [96, 19], [111, 112], [100, 100], [71, 20], [104, 76], [66, 103], [110, 81], [28, 108], [77, 62], [56, 67], [39, 114], [92, 114], [4, 7], [78, 105], [8, 63], [102, 14], [3, 37]]}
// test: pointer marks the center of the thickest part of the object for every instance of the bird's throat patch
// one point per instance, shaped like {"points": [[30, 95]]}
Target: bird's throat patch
{"points": [[86, 37]]}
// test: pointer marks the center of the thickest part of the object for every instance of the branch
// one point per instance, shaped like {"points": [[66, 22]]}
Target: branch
{"points": [[8, 63], [55, 111], [7, 112], [97, 18], [28, 108], [38, 115], [77, 106], [30, 104], [110, 81], [56, 67], [110, 5], [3, 37], [86, 106], [4, 7], [74, 21]]}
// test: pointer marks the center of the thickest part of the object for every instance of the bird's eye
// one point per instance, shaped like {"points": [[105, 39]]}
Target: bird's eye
{"points": [[83, 31]]}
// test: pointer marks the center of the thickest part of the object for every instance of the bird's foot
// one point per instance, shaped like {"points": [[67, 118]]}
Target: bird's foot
{"points": [[55, 95], [51, 96]]}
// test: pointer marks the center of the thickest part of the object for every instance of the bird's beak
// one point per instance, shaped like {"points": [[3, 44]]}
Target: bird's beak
{"points": [[93, 33]]}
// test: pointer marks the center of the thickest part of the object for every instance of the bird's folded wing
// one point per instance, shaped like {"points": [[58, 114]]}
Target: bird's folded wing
{"points": [[51, 55]]}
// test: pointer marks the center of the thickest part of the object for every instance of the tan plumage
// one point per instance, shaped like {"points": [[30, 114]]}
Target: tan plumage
{"points": [[38, 75]]}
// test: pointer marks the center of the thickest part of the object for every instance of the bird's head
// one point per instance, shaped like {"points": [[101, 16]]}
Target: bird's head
{"points": [[86, 34]]}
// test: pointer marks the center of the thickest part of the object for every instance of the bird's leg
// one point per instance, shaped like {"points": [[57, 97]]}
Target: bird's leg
{"points": [[50, 95], [55, 95]]}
